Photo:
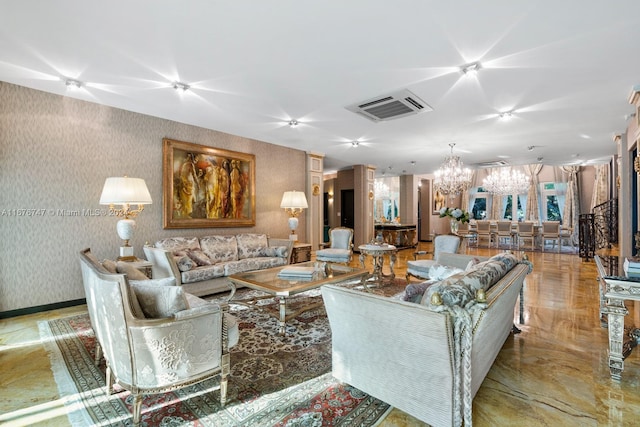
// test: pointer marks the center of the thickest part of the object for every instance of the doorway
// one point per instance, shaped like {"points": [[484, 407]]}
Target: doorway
{"points": [[347, 198]]}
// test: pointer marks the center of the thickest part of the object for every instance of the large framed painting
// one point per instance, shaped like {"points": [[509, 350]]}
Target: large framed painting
{"points": [[207, 187], [439, 200]]}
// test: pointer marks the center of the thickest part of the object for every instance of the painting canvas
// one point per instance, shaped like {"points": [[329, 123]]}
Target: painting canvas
{"points": [[439, 201], [207, 187]]}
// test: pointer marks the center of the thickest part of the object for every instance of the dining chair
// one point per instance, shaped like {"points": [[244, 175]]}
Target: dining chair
{"points": [[551, 231], [504, 232], [484, 231], [566, 234], [526, 233]]}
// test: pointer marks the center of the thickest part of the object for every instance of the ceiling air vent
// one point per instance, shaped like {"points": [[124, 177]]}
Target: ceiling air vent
{"points": [[490, 164], [391, 106]]}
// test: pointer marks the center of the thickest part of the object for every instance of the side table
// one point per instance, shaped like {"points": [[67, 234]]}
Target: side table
{"points": [[377, 252], [144, 266], [301, 252]]}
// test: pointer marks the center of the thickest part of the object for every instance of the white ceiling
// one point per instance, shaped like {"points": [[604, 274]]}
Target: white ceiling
{"points": [[567, 68]]}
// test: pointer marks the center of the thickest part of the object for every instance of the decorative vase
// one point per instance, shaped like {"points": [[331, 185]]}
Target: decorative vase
{"points": [[454, 226]]}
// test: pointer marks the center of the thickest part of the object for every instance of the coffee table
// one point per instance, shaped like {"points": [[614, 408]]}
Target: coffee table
{"points": [[282, 288]]}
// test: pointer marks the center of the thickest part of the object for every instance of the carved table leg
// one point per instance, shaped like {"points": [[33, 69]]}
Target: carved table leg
{"points": [[615, 312], [283, 314], [392, 261]]}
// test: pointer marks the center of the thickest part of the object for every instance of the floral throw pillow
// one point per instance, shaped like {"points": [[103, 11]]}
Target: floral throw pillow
{"points": [[185, 263], [199, 257]]}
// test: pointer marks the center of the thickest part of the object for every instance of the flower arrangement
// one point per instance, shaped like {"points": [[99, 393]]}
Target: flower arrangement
{"points": [[455, 213]]}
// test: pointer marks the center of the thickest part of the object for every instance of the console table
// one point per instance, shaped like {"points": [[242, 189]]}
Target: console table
{"points": [[399, 235], [301, 252], [616, 288]]}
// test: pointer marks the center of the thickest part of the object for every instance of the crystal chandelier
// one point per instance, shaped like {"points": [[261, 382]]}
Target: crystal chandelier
{"points": [[506, 182], [452, 178]]}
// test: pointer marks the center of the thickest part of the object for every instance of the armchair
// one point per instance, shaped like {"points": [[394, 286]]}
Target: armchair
{"points": [[420, 268], [152, 356], [340, 248]]}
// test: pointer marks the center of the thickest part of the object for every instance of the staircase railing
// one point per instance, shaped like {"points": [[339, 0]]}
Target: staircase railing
{"points": [[598, 229]]}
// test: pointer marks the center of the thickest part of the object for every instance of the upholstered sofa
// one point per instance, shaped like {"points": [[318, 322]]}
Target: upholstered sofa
{"points": [[202, 264], [428, 352], [155, 337]]}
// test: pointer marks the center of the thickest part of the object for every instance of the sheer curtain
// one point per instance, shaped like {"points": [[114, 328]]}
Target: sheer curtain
{"points": [[465, 199], [600, 193], [532, 212], [571, 211]]}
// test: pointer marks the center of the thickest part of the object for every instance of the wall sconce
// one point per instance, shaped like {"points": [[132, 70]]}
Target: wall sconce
{"points": [[330, 196], [125, 191], [293, 202]]}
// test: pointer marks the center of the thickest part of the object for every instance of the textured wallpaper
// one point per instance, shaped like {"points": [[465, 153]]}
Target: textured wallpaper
{"points": [[55, 153]]}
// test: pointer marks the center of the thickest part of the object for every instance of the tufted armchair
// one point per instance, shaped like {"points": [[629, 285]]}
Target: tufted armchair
{"points": [[154, 355], [341, 246], [420, 267]]}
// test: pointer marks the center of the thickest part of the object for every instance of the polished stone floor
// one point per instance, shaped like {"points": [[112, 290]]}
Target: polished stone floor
{"points": [[552, 374]]}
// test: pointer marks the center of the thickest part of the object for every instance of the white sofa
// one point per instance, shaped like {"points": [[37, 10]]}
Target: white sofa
{"points": [[202, 264], [426, 359]]}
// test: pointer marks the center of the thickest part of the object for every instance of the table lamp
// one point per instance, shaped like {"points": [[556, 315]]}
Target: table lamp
{"points": [[293, 202], [125, 191]]}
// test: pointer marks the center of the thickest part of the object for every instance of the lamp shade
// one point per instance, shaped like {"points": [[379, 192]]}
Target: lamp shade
{"points": [[294, 200], [125, 190]]}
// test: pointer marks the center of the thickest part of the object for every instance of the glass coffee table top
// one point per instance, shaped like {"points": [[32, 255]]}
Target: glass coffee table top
{"points": [[269, 281]]}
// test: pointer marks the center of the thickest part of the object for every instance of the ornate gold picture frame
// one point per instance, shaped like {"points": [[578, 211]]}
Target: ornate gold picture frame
{"points": [[207, 187]]}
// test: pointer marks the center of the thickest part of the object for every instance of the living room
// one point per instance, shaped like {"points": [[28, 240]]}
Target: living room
{"points": [[58, 150]]}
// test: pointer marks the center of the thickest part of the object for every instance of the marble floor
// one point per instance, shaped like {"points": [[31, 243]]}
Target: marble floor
{"points": [[554, 373]]}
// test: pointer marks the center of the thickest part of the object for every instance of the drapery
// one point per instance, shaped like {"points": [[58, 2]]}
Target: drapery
{"points": [[533, 207], [465, 199], [600, 193], [571, 211], [497, 207]]}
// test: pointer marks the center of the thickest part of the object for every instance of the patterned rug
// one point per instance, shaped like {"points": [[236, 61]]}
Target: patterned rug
{"points": [[275, 381]]}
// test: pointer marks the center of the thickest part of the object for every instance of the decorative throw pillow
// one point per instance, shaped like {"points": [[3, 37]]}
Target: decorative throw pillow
{"points": [[132, 273], [159, 300], [199, 257], [251, 245], [453, 291], [274, 251], [471, 265], [414, 291], [441, 272], [184, 263], [110, 265]]}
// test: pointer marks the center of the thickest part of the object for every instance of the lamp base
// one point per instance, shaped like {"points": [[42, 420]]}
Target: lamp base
{"points": [[293, 225], [126, 254]]}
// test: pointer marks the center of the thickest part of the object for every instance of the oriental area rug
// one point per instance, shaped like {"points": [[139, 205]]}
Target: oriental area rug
{"points": [[274, 381]]}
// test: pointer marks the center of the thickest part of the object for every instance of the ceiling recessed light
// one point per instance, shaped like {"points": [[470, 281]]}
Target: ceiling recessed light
{"points": [[73, 83], [293, 123], [355, 143], [470, 69], [506, 115], [180, 86], [413, 162]]}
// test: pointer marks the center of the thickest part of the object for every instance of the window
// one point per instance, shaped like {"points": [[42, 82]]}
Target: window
{"points": [[479, 203], [551, 198], [509, 213]]}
